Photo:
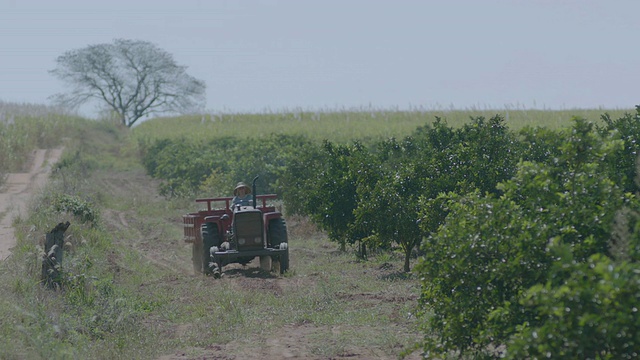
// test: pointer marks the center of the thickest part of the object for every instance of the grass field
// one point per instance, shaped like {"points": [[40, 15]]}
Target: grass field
{"points": [[345, 126]]}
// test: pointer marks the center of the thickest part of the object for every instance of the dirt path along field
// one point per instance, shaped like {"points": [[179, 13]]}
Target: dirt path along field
{"points": [[18, 189]]}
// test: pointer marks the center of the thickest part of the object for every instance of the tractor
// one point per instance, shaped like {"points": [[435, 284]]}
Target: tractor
{"points": [[237, 234]]}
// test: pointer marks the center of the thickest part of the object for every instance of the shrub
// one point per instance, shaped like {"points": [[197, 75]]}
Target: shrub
{"points": [[491, 250], [593, 314], [188, 167], [81, 209], [623, 165]]}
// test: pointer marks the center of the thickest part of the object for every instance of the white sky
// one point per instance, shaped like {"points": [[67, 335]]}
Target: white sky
{"points": [[332, 54]]}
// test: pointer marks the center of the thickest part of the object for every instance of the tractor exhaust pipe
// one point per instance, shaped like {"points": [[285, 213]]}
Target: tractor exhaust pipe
{"points": [[253, 190]]}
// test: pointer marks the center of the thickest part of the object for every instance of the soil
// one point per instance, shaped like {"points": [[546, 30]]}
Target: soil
{"points": [[18, 189]]}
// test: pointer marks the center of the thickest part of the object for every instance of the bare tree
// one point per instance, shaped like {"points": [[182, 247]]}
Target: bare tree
{"points": [[133, 78]]}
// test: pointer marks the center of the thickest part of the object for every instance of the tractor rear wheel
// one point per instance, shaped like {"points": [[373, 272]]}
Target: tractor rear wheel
{"points": [[277, 236], [210, 238]]}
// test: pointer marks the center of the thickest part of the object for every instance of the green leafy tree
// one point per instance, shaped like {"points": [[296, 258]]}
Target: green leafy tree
{"points": [[481, 257], [182, 165], [300, 178], [477, 156], [593, 314], [266, 157], [187, 167], [623, 166], [540, 144], [333, 197], [488, 153], [389, 188], [490, 249]]}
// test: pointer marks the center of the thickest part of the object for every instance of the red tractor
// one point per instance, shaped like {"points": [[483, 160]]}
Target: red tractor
{"points": [[237, 234]]}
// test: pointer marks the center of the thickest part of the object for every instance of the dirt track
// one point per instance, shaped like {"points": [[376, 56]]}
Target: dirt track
{"points": [[17, 190]]}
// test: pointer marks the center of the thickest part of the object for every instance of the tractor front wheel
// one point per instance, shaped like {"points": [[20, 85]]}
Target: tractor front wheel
{"points": [[284, 262]]}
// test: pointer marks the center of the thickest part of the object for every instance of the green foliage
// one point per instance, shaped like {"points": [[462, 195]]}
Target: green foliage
{"points": [[490, 250], [217, 183], [267, 157], [483, 256], [183, 165], [372, 196], [586, 309], [623, 164], [541, 145], [301, 175], [187, 167], [389, 184], [478, 156], [593, 314], [487, 153], [574, 192], [332, 197], [81, 209]]}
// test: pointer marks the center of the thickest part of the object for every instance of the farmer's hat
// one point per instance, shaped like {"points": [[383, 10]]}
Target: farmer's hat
{"points": [[241, 185]]}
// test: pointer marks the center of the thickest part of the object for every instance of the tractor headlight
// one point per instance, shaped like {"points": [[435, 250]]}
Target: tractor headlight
{"points": [[257, 240], [241, 241], [283, 246]]}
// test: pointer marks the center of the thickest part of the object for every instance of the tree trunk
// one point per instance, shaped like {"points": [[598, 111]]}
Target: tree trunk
{"points": [[363, 250], [407, 257], [52, 260]]}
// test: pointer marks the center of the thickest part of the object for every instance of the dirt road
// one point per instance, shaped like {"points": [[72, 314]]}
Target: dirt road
{"points": [[17, 190]]}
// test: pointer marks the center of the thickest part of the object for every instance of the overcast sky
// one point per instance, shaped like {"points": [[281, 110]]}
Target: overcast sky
{"points": [[332, 54]]}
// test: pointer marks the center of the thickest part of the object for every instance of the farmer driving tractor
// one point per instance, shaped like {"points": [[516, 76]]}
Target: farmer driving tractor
{"points": [[242, 195], [238, 232]]}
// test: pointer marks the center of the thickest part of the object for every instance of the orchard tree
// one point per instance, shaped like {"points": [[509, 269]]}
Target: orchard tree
{"points": [[389, 185], [333, 195], [500, 268], [131, 77]]}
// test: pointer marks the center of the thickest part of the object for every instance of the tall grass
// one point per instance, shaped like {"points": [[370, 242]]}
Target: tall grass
{"points": [[347, 125], [25, 127]]}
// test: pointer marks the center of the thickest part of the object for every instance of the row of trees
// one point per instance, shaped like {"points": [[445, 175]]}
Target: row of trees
{"points": [[548, 265], [212, 168], [528, 239], [374, 195], [377, 195], [365, 194]]}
